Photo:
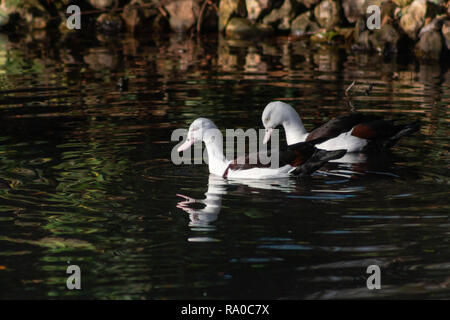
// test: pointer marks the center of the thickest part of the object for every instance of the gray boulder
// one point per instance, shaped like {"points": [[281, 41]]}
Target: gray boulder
{"points": [[256, 7], [281, 17], [328, 14], [183, 14], [385, 39], [303, 24], [429, 46], [353, 9], [413, 18]]}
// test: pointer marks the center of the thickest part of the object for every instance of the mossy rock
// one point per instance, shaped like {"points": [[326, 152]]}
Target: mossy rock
{"points": [[241, 28], [228, 9]]}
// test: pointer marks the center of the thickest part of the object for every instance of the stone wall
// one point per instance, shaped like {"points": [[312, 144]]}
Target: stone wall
{"points": [[422, 26], [419, 25]]}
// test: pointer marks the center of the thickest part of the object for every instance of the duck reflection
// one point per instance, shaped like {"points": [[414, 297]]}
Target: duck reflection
{"points": [[344, 178], [217, 187]]}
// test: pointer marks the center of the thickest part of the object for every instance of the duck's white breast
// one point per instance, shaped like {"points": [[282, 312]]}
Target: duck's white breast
{"points": [[260, 173]]}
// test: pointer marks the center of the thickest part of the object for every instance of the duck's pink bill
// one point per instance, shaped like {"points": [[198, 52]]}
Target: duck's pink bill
{"points": [[185, 145], [267, 135]]}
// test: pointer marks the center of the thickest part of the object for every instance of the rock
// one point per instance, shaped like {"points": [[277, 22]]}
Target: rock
{"points": [[385, 39], [101, 4], [256, 7], [241, 28], [353, 9], [228, 8], [388, 8], [303, 24], [5, 11], [145, 11], [402, 3], [363, 42], [429, 46], [360, 27], [109, 23], [263, 29], [446, 33], [34, 14], [308, 3], [413, 18], [435, 25], [368, 3], [4, 18], [183, 14], [282, 16], [132, 15], [328, 14]]}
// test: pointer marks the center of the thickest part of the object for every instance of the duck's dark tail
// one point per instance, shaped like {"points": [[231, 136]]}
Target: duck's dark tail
{"points": [[317, 160], [405, 130]]}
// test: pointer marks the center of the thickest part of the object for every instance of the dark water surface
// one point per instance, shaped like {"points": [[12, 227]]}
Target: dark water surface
{"points": [[86, 176]]}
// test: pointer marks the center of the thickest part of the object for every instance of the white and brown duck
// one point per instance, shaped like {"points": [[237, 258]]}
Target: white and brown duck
{"points": [[354, 132], [297, 160]]}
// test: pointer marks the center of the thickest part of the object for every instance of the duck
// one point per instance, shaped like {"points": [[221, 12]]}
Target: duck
{"points": [[298, 160], [353, 132]]}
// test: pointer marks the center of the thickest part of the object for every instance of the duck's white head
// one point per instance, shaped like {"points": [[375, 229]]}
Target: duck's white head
{"points": [[280, 113], [202, 129]]}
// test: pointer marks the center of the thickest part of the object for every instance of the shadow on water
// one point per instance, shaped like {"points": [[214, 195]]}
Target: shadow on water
{"points": [[86, 176]]}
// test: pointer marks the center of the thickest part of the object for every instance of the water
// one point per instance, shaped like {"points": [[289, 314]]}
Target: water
{"points": [[86, 176]]}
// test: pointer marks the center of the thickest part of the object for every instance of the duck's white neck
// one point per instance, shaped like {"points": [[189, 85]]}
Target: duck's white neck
{"points": [[294, 129], [216, 160]]}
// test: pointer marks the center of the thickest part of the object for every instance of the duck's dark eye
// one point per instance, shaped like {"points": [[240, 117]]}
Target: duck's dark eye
{"points": [[267, 119]]}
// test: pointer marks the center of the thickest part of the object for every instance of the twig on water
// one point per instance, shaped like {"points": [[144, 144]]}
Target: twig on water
{"points": [[349, 88], [349, 95]]}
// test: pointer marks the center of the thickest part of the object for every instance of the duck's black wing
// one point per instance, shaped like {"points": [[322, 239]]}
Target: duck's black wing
{"points": [[341, 124]]}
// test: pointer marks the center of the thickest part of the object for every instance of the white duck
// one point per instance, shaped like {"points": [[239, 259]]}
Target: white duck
{"points": [[302, 159], [354, 132]]}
